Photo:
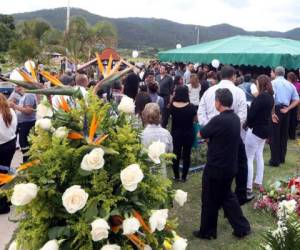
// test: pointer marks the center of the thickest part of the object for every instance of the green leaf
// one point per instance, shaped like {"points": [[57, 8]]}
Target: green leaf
{"points": [[91, 211], [82, 172], [109, 151], [59, 232]]}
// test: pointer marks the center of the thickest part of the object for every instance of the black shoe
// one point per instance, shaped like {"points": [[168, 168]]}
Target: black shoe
{"points": [[197, 234], [183, 180], [271, 164], [241, 235]]}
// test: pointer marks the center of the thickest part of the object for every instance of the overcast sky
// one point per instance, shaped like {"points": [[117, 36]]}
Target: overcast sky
{"points": [[278, 15]]}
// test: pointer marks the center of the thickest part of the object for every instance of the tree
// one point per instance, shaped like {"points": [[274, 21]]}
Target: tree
{"points": [[77, 37], [22, 50], [83, 38], [105, 33], [32, 28], [7, 32]]}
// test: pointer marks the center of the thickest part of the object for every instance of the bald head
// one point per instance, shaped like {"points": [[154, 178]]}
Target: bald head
{"points": [[81, 80]]}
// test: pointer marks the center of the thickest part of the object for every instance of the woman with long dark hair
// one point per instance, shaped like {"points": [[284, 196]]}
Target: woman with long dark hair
{"points": [[183, 115], [258, 122], [8, 127]]}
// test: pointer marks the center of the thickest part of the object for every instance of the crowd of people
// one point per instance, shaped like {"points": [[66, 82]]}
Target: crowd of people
{"points": [[236, 114]]}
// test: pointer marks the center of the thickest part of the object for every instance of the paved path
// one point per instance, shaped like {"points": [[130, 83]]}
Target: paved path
{"points": [[6, 227]]}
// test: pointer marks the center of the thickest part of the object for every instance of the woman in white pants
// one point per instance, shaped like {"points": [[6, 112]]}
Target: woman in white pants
{"points": [[258, 121]]}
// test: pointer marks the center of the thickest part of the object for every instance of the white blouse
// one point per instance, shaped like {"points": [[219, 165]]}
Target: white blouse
{"points": [[8, 133]]}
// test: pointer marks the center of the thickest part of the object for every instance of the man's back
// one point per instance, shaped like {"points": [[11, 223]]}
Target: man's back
{"points": [[284, 91], [223, 132], [207, 108]]}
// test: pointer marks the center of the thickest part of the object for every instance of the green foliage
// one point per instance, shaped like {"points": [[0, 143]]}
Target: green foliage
{"points": [[7, 32], [24, 49], [33, 29], [288, 239]]}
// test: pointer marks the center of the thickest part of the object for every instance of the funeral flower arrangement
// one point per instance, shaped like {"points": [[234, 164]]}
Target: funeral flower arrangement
{"points": [[281, 199], [281, 190], [89, 183]]}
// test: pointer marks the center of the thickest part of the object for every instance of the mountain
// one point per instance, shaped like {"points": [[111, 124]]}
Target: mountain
{"points": [[136, 33]]}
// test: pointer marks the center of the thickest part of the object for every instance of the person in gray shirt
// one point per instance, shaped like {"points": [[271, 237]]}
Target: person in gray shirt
{"points": [[26, 119], [16, 95]]}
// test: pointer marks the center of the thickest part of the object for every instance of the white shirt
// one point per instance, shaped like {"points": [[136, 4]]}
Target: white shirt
{"points": [[207, 109], [186, 77], [8, 133], [56, 99], [194, 94]]}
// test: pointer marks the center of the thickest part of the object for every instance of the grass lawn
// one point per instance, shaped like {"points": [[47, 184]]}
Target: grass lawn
{"points": [[189, 215]]}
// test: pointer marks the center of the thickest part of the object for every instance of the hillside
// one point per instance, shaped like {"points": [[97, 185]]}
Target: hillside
{"points": [[136, 33]]}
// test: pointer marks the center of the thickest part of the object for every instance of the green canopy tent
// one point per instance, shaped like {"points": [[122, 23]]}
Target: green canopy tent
{"points": [[240, 50]]}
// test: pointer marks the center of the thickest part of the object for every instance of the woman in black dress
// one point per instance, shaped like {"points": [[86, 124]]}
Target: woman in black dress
{"points": [[183, 115]]}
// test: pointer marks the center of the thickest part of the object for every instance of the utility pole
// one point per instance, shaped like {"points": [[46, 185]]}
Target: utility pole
{"points": [[67, 32], [198, 34], [68, 18]]}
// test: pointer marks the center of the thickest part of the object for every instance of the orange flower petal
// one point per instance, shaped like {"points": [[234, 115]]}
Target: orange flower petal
{"points": [[6, 178], [139, 217], [28, 165], [63, 104], [101, 139], [75, 136], [93, 128]]}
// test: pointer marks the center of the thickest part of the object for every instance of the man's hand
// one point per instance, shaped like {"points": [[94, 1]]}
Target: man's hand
{"points": [[284, 110], [275, 118], [12, 105]]}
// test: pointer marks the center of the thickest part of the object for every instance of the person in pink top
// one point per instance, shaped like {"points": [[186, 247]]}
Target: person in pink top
{"points": [[293, 122]]}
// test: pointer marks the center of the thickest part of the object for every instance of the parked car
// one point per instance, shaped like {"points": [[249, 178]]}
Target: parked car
{"points": [[6, 88]]}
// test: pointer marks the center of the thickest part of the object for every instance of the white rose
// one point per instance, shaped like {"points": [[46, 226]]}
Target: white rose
{"points": [[286, 208], [180, 197], [93, 160], [147, 247], [127, 105], [155, 150], [130, 226], [100, 229], [51, 245], [14, 246], [179, 244], [111, 247], [290, 206], [44, 124], [24, 193], [158, 219], [43, 111], [268, 247], [61, 132], [131, 177], [74, 199]]}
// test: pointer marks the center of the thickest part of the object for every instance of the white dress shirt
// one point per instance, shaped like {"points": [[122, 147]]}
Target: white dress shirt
{"points": [[207, 109], [8, 133], [194, 94]]}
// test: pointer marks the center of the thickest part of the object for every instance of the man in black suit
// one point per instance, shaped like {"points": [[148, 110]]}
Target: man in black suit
{"points": [[220, 170], [166, 87]]}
